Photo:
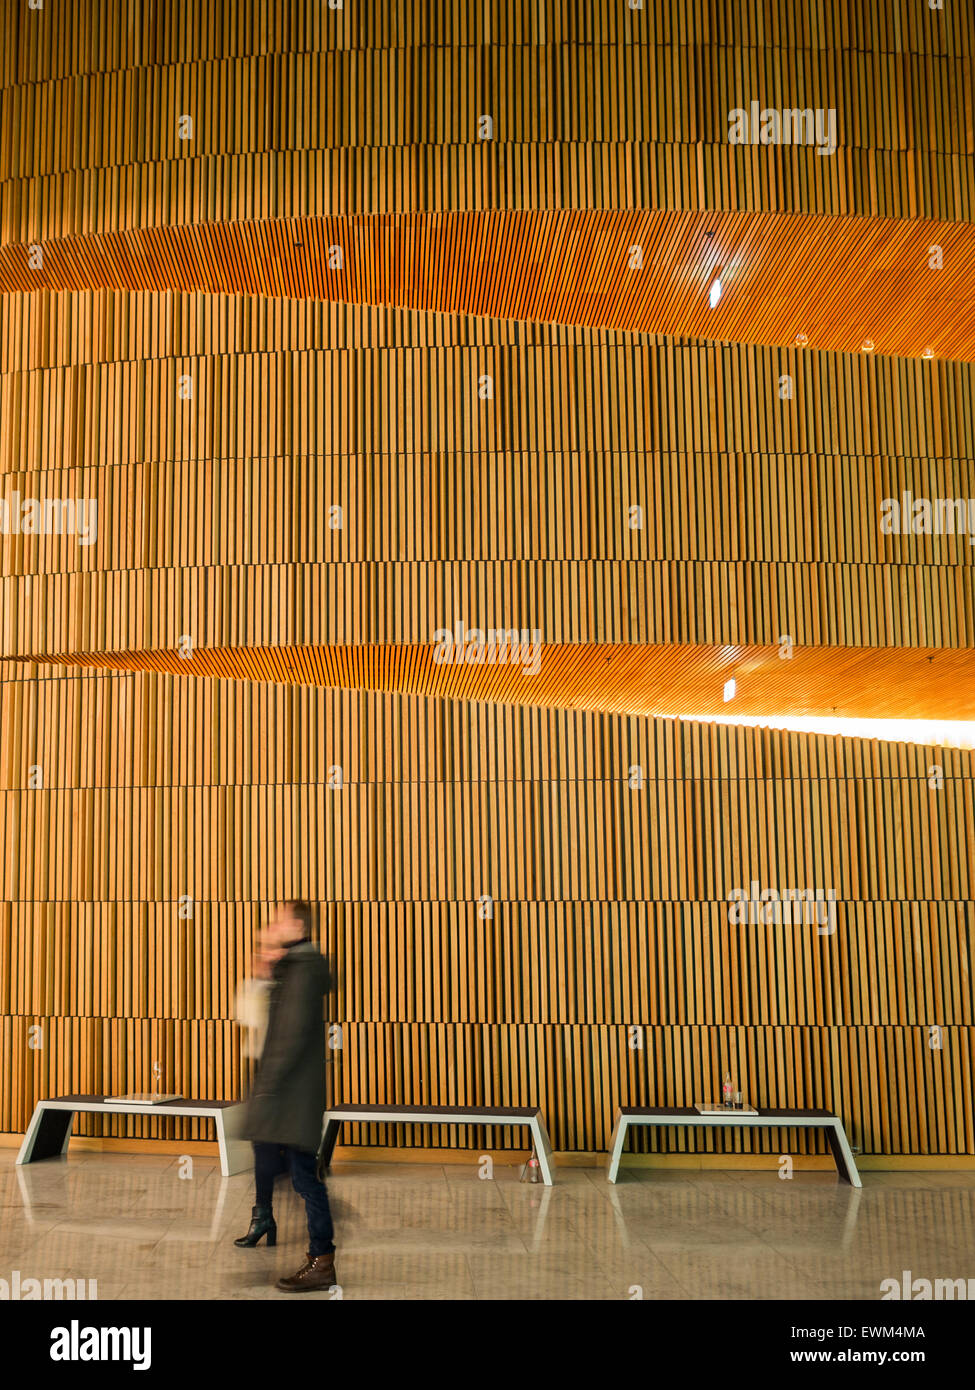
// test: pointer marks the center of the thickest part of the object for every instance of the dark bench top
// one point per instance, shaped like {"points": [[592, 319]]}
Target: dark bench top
{"points": [[163, 1106], [471, 1112], [691, 1113]]}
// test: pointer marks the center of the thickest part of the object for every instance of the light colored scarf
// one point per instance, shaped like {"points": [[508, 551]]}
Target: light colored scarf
{"points": [[253, 999]]}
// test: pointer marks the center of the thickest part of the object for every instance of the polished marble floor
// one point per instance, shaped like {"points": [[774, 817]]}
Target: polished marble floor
{"points": [[142, 1228]]}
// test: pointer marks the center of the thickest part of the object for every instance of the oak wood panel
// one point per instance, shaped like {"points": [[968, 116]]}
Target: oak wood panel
{"points": [[627, 962], [100, 36], [533, 841]]}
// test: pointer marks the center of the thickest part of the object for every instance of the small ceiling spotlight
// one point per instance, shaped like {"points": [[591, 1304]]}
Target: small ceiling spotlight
{"points": [[801, 340], [714, 293], [927, 354], [867, 345]]}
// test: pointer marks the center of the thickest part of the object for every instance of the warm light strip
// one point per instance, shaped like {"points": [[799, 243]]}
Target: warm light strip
{"points": [[950, 733]]}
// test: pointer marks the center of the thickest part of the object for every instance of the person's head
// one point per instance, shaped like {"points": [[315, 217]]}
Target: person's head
{"points": [[266, 952], [289, 923]]}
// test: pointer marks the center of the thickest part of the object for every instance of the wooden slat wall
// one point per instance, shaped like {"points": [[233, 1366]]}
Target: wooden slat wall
{"points": [[852, 182], [399, 97], [610, 905], [744, 494], [536, 842], [100, 36], [312, 110], [698, 508]]}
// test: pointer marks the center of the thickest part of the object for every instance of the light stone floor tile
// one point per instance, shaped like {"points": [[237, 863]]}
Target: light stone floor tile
{"points": [[914, 1179], [539, 1277], [420, 1173], [961, 1180], [432, 1240], [432, 1231], [748, 1273]]}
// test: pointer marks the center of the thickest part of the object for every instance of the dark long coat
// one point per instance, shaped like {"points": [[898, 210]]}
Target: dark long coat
{"points": [[289, 1088]]}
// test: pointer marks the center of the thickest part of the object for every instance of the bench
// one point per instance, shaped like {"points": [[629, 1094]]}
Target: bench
{"points": [[831, 1125], [439, 1115], [49, 1131]]}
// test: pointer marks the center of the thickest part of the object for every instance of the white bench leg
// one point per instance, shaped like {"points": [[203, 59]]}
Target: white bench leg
{"points": [[543, 1149], [30, 1137], [616, 1147], [48, 1133], [843, 1154], [236, 1155]]}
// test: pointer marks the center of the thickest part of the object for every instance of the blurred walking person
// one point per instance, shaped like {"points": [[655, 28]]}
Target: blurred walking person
{"points": [[284, 1114], [252, 1008]]}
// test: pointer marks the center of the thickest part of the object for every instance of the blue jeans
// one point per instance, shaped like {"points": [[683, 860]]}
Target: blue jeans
{"points": [[270, 1161]]}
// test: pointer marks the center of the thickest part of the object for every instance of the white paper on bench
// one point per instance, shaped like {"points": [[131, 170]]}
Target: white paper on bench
{"points": [[139, 1098], [703, 1108]]}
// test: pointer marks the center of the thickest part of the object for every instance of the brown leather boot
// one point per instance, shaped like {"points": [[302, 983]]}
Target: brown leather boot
{"points": [[318, 1273]]}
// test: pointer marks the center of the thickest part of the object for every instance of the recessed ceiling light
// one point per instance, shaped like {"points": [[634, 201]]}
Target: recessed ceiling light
{"points": [[714, 293], [927, 354], [730, 687], [867, 345], [801, 340]]}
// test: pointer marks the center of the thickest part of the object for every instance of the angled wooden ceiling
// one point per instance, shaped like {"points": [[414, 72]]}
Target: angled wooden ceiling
{"points": [[814, 683], [827, 282]]}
